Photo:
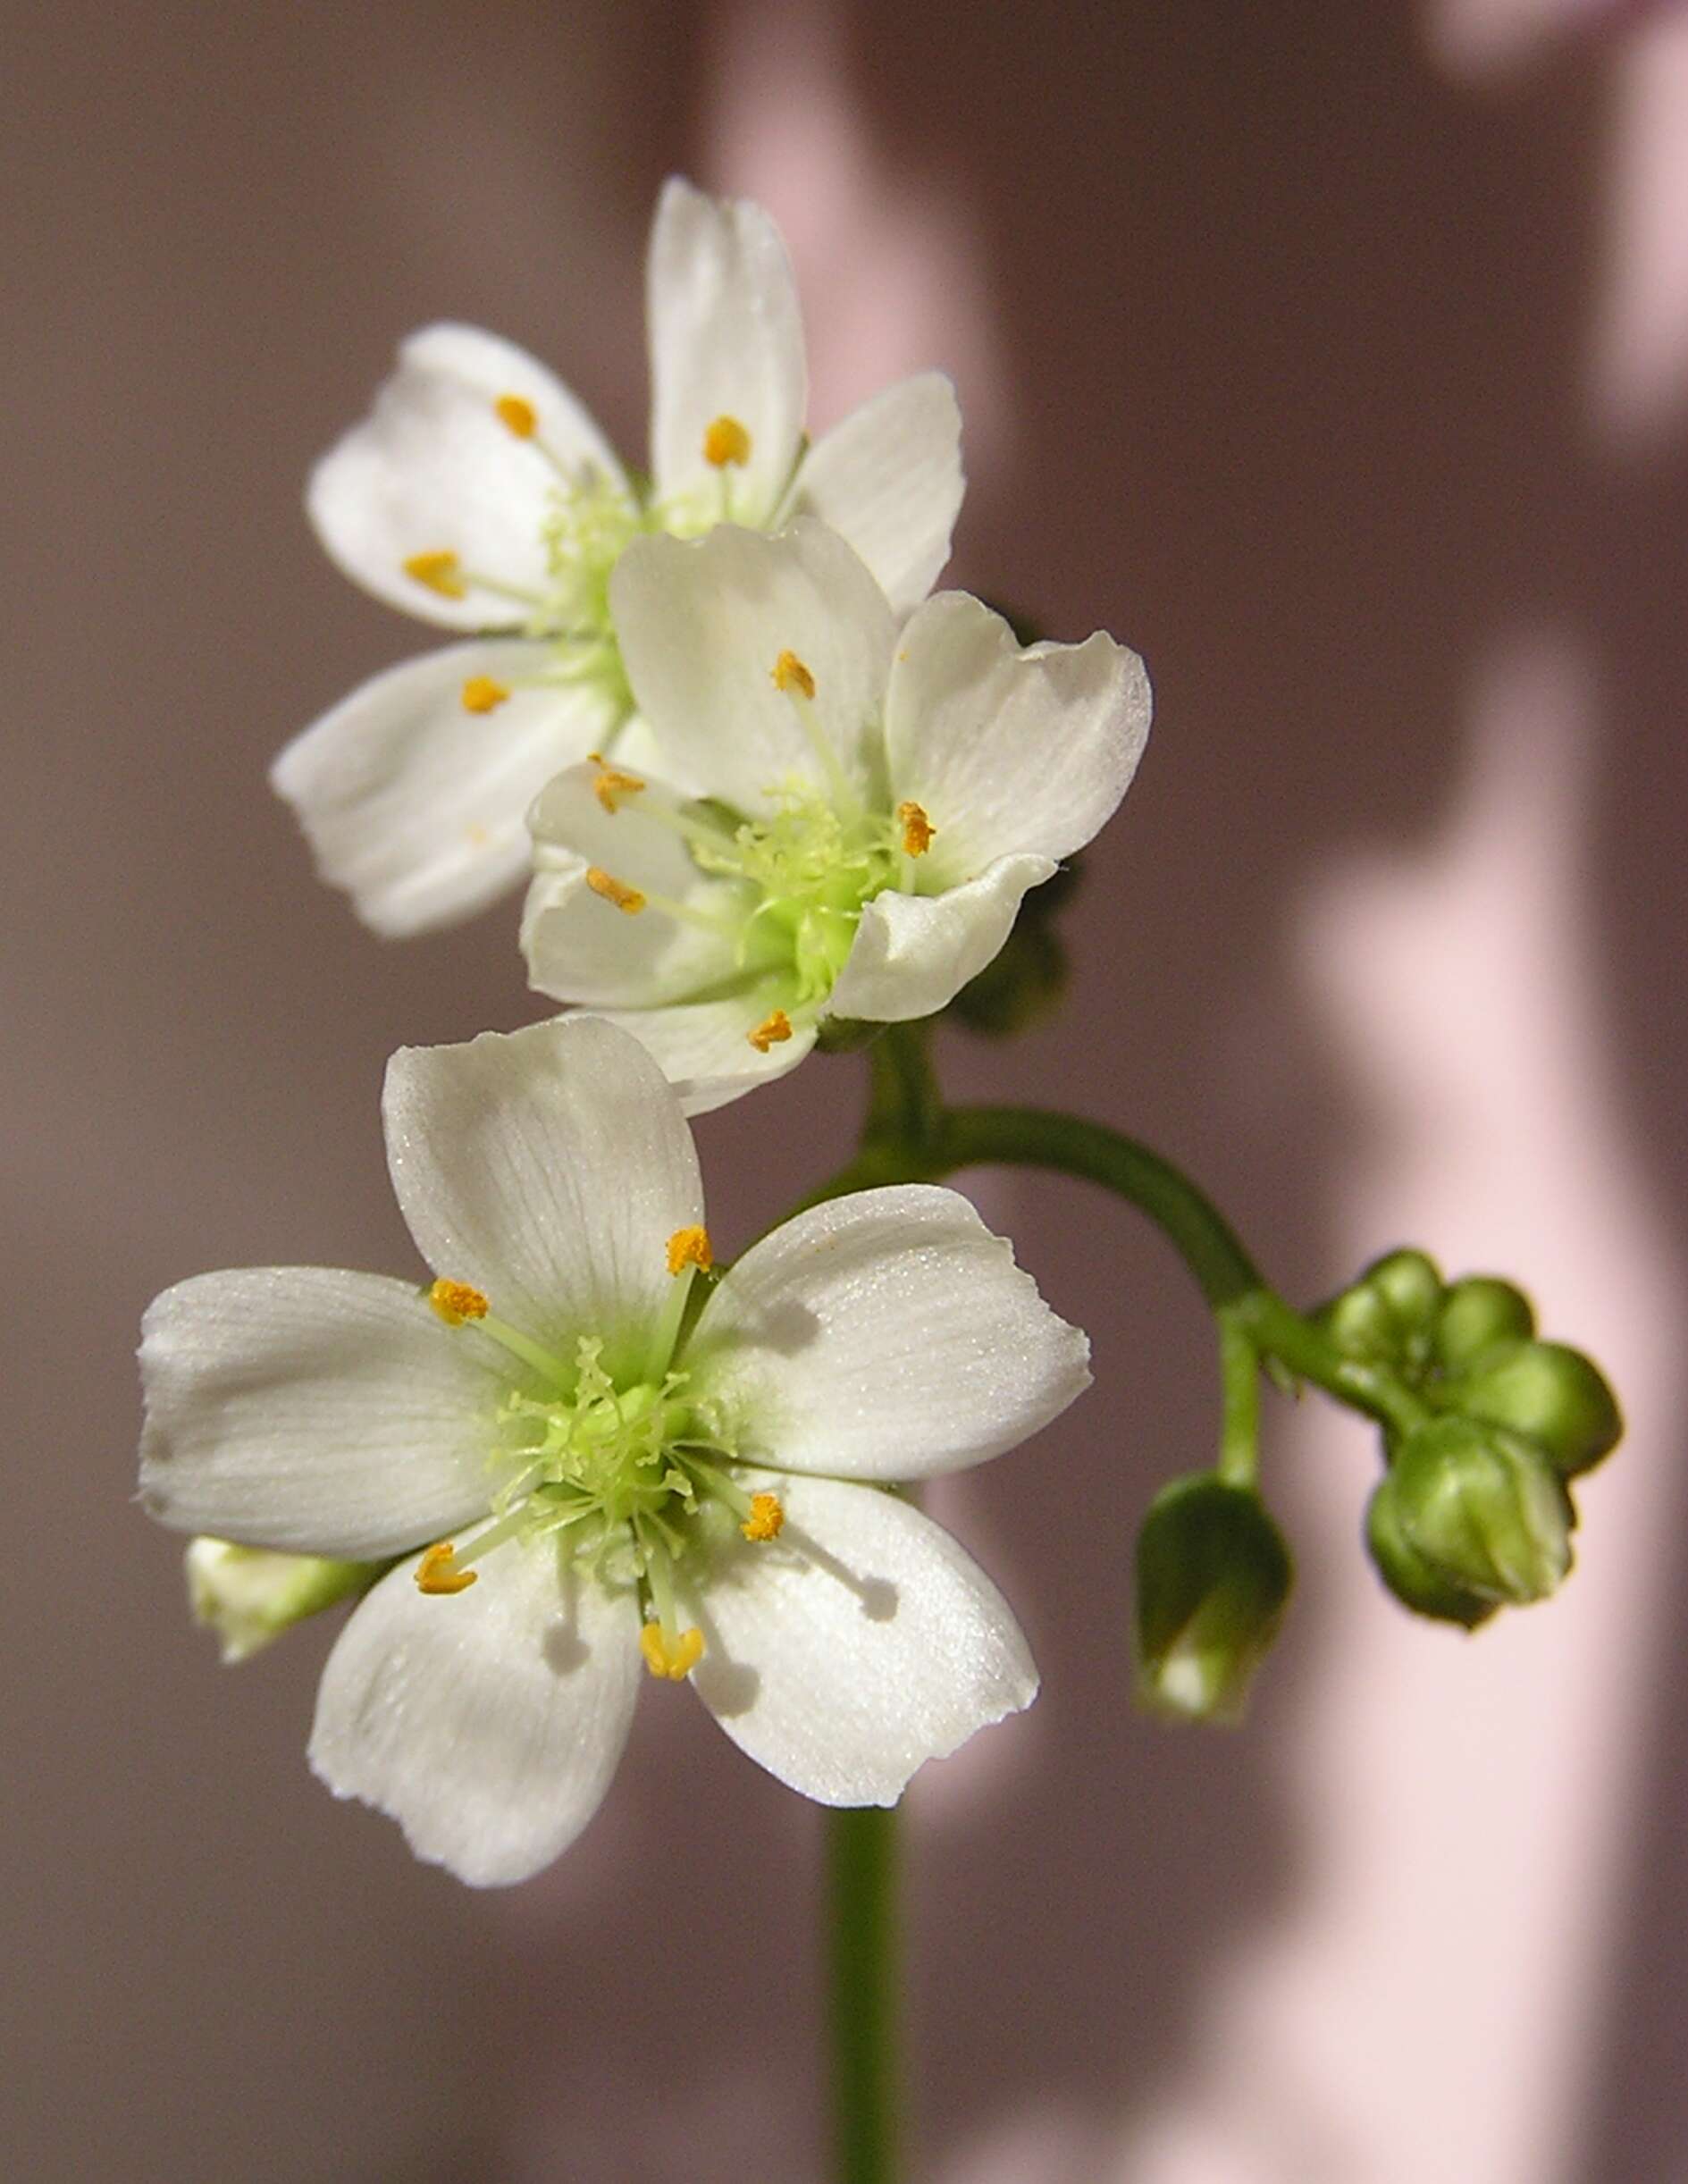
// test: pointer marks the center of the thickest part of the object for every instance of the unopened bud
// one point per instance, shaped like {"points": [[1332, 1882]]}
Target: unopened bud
{"points": [[1482, 1509], [1478, 1314], [249, 1595], [1390, 1314], [1213, 1580], [1413, 1581], [1550, 1393]]}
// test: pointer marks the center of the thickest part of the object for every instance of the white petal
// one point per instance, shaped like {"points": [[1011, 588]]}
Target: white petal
{"points": [[431, 470], [488, 1723], [701, 624], [913, 953], [886, 1335], [889, 479], [318, 1412], [1007, 750], [548, 1168], [726, 339], [703, 1047], [861, 1643], [579, 947], [417, 807]]}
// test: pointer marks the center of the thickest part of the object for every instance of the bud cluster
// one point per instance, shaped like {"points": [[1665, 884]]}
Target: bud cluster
{"points": [[1473, 1512]]}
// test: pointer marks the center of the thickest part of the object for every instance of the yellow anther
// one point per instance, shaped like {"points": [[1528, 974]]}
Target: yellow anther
{"points": [[675, 1658], [614, 891], [456, 1301], [612, 787], [789, 673], [917, 830], [767, 1516], [725, 442], [772, 1031], [517, 416], [690, 1247], [441, 572], [482, 694], [435, 1573]]}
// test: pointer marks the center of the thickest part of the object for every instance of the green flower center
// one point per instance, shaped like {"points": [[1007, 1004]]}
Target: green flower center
{"points": [[809, 872]]}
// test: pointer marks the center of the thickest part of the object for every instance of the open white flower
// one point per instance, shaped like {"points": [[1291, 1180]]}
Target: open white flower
{"points": [[598, 1475], [479, 494], [876, 805]]}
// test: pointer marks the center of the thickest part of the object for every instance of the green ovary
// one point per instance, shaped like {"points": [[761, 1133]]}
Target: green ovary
{"points": [[617, 1474], [809, 873]]}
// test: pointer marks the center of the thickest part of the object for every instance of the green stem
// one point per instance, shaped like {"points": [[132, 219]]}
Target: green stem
{"points": [[862, 1883], [1240, 1380]]}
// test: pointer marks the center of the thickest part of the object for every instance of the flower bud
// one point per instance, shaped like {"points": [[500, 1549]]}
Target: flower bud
{"points": [[1478, 1314], [1553, 1395], [1213, 1579], [1404, 1571], [1482, 1509], [1022, 983], [249, 1595], [1390, 1314]]}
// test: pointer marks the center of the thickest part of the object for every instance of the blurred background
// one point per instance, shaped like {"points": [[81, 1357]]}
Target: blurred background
{"points": [[1336, 357]]}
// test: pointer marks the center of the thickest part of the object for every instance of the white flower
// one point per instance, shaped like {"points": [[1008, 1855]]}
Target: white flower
{"points": [[877, 804], [479, 494], [600, 1477]]}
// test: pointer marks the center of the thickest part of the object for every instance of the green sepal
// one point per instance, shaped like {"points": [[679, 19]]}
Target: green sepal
{"points": [[1482, 1509], [1480, 1313], [1413, 1581]]}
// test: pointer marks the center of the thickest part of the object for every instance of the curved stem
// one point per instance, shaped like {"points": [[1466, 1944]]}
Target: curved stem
{"points": [[861, 1885]]}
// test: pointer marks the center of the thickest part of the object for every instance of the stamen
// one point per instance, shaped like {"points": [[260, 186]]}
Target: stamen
{"points": [[766, 1518], [615, 891], [917, 830], [725, 442], [482, 694], [435, 1575], [456, 1301], [517, 416], [440, 571], [772, 1031], [611, 787], [789, 673], [690, 1247], [673, 1658]]}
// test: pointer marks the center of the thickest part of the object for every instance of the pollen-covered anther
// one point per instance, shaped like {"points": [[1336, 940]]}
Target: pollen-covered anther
{"points": [[612, 787], [435, 1573], [482, 694], [456, 1301], [767, 1517], [440, 571], [690, 1247], [517, 416], [725, 441], [772, 1031], [917, 829], [673, 1658], [615, 891], [789, 673]]}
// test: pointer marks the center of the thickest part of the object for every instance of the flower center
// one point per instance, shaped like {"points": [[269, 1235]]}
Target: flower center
{"points": [[627, 1475], [809, 871]]}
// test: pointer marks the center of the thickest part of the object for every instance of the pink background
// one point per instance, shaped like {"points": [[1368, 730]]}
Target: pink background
{"points": [[1333, 356]]}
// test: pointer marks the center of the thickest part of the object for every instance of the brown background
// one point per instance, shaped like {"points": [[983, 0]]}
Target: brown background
{"points": [[1291, 328]]}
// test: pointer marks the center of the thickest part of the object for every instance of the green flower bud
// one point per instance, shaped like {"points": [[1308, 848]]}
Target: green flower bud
{"points": [[1388, 1315], [1213, 1580], [1409, 1281], [1404, 1571], [1022, 983], [249, 1595], [1482, 1509], [1478, 1314], [1553, 1395]]}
